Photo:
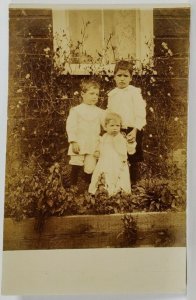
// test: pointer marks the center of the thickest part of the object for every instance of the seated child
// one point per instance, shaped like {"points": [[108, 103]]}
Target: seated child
{"points": [[112, 165], [83, 129]]}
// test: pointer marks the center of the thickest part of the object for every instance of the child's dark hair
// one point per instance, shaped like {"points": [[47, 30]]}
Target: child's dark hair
{"points": [[88, 83], [124, 65], [110, 116]]}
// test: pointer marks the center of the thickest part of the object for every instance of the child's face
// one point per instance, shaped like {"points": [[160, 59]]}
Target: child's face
{"points": [[122, 78], [113, 127], [91, 96]]}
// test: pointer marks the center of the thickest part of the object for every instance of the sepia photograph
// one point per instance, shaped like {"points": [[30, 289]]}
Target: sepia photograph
{"points": [[97, 128], [96, 152]]}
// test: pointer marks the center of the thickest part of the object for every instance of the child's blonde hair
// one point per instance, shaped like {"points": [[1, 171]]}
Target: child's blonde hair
{"points": [[112, 117], [88, 83]]}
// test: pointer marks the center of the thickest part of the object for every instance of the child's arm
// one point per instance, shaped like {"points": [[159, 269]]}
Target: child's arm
{"points": [[71, 128], [102, 118], [139, 109], [131, 136], [131, 148], [140, 114], [97, 149]]}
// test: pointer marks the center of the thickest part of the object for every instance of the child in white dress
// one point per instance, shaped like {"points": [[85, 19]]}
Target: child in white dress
{"points": [[127, 101], [83, 129], [112, 169]]}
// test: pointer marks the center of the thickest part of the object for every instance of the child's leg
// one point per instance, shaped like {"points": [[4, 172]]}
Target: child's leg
{"points": [[76, 162], [75, 170], [136, 158], [89, 166], [133, 169], [87, 178]]}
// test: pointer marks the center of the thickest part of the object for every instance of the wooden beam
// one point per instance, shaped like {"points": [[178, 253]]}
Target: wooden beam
{"points": [[101, 231]]}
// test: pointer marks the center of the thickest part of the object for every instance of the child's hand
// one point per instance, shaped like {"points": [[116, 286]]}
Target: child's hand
{"points": [[75, 147], [131, 137], [96, 154]]}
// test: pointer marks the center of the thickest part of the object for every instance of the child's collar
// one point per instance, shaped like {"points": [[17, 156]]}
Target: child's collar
{"points": [[116, 90]]}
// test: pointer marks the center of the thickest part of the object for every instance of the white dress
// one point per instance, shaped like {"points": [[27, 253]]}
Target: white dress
{"points": [[112, 165]]}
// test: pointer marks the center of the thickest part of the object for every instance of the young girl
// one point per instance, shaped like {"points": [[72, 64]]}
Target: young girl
{"points": [[83, 128], [127, 101], [112, 169]]}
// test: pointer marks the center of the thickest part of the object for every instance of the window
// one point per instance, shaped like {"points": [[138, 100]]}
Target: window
{"points": [[94, 39]]}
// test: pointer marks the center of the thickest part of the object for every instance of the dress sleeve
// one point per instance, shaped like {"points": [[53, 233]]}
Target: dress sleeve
{"points": [[102, 117], [140, 109], [71, 126], [110, 102]]}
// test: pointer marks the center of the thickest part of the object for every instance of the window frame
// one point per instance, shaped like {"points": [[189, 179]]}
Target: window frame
{"points": [[144, 52]]}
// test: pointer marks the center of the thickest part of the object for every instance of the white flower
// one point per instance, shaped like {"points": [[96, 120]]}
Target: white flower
{"points": [[176, 119], [27, 76], [147, 146], [17, 106], [47, 49], [106, 79], [19, 102], [154, 72], [76, 93], [19, 91], [149, 93], [64, 97], [47, 55], [151, 109], [35, 132], [168, 94], [164, 45], [152, 79], [150, 135], [170, 52], [160, 156], [23, 128]]}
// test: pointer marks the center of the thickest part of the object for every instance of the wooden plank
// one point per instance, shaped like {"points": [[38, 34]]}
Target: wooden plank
{"points": [[171, 27], [180, 67], [180, 87], [178, 46], [101, 231], [171, 12], [30, 45], [30, 27], [26, 13], [38, 66]]}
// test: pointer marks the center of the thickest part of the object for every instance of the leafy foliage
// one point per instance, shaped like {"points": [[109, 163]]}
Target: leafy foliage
{"points": [[37, 166], [129, 233]]}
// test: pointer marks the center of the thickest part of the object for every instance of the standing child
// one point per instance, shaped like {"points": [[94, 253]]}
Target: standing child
{"points": [[127, 101], [83, 129], [112, 169]]}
